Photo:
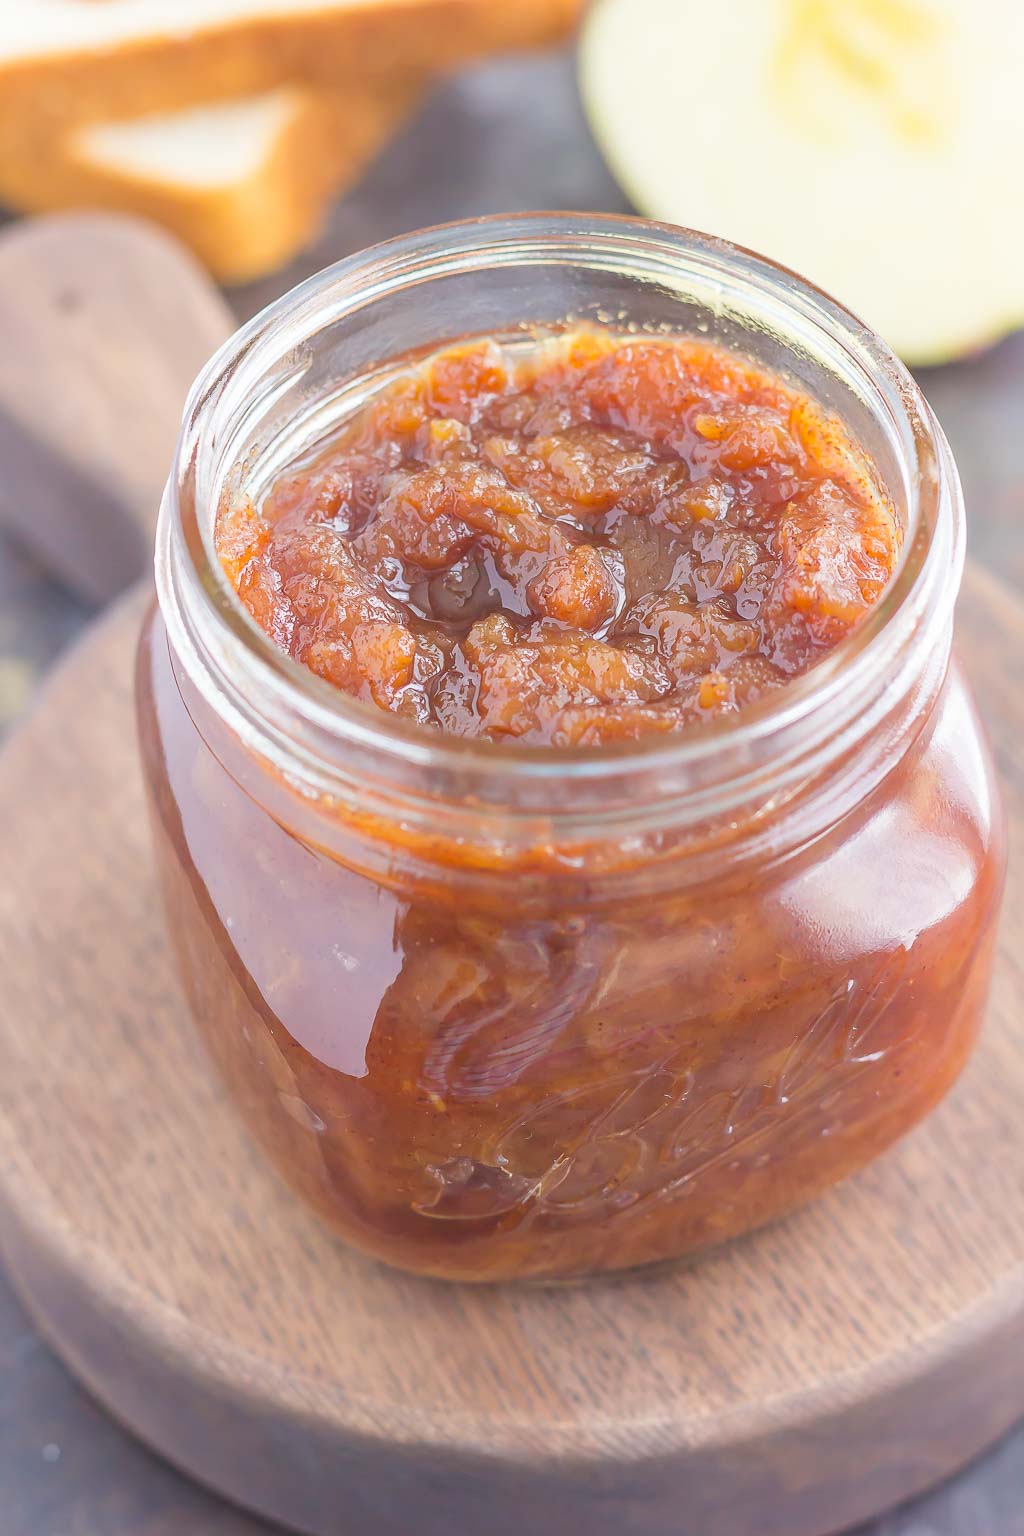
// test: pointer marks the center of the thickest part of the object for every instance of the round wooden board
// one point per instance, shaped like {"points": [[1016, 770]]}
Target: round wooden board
{"points": [[789, 1385]]}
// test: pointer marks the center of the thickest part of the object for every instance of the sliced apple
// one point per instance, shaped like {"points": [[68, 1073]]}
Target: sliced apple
{"points": [[875, 146]]}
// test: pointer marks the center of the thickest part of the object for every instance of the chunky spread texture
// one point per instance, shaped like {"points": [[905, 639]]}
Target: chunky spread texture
{"points": [[578, 541]]}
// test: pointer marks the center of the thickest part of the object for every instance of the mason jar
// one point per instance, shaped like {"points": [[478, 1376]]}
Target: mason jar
{"points": [[500, 1012]]}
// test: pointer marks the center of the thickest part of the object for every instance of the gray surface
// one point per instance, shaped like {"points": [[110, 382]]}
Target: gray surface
{"points": [[505, 137]]}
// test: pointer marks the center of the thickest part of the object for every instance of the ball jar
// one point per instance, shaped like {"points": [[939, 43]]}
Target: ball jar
{"points": [[505, 1013]]}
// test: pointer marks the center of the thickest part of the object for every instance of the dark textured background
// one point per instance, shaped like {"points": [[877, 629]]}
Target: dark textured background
{"points": [[505, 137]]}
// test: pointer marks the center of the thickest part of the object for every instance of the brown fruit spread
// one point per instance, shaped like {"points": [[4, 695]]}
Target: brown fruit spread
{"points": [[596, 539]]}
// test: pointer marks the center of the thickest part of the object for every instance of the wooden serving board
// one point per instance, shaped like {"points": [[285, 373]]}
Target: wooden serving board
{"points": [[789, 1385]]}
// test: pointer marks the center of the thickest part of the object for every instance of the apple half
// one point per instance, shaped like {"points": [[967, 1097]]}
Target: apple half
{"points": [[874, 146]]}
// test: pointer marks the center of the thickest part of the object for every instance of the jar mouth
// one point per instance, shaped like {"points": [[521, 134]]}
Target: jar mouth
{"points": [[216, 639]]}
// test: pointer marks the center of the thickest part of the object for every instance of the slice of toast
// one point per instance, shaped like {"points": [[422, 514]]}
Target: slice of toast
{"points": [[244, 183], [68, 62]]}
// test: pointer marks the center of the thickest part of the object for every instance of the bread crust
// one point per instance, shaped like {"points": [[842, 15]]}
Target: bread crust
{"points": [[240, 229], [333, 47]]}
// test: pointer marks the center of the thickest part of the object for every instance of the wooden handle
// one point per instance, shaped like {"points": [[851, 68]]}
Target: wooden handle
{"points": [[106, 321]]}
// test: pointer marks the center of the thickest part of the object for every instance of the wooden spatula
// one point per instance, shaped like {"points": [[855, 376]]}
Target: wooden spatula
{"points": [[104, 321]]}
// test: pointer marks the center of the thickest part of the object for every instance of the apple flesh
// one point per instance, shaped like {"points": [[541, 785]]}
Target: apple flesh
{"points": [[874, 146]]}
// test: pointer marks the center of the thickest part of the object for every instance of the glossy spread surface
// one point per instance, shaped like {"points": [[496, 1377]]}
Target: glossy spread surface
{"points": [[585, 540]]}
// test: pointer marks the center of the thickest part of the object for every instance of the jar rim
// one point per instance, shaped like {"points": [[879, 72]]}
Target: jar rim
{"points": [[214, 635]]}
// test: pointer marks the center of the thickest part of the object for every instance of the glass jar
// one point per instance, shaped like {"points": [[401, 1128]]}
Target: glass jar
{"points": [[504, 1013]]}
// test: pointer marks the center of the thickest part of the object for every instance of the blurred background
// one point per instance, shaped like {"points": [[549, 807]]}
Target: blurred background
{"points": [[874, 145]]}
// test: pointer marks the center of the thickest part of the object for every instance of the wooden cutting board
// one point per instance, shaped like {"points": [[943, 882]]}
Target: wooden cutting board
{"points": [[796, 1382]]}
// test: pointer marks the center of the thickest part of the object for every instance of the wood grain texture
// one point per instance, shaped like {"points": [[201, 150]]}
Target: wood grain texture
{"points": [[106, 322], [812, 1374]]}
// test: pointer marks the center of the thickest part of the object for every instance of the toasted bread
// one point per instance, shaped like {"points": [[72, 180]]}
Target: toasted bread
{"points": [[64, 62], [244, 183]]}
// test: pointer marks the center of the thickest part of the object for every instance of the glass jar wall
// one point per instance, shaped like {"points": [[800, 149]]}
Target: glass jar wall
{"points": [[529, 1013]]}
